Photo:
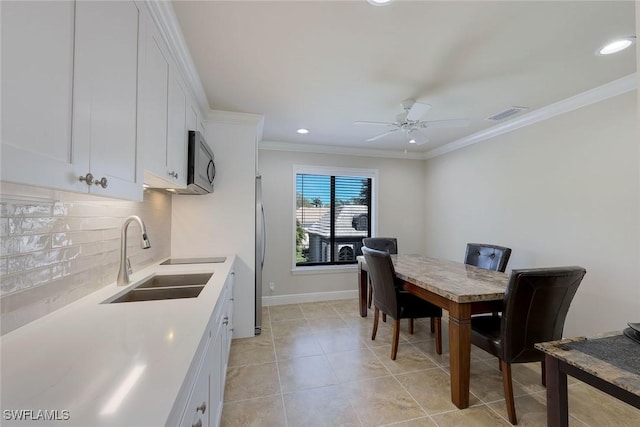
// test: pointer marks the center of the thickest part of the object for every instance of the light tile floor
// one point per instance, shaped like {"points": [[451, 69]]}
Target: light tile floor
{"points": [[316, 365]]}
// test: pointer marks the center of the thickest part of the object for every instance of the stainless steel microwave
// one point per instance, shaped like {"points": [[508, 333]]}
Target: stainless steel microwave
{"points": [[201, 170]]}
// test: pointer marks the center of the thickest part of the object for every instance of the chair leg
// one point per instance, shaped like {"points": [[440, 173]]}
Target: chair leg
{"points": [[376, 314], [411, 326], [438, 327], [395, 339], [433, 325], [370, 295], [544, 377], [508, 392]]}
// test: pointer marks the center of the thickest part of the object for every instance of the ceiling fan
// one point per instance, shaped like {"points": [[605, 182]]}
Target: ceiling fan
{"points": [[409, 122]]}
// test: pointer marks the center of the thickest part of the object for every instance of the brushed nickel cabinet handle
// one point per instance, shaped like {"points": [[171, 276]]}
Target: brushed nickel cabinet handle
{"points": [[88, 178], [103, 182], [202, 408]]}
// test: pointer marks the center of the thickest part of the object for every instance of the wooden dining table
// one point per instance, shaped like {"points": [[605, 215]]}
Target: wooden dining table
{"points": [[460, 289]]}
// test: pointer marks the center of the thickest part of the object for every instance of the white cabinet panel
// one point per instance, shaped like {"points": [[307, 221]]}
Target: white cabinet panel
{"points": [[216, 390], [196, 413], [177, 135], [106, 94], [192, 118], [37, 88], [154, 107]]}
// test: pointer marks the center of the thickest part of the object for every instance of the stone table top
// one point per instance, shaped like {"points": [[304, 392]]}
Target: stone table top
{"points": [[455, 281], [627, 379]]}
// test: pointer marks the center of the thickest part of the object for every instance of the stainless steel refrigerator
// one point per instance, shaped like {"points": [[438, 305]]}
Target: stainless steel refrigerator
{"points": [[260, 251]]}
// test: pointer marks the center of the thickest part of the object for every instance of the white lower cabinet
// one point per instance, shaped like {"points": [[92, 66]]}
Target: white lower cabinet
{"points": [[197, 411], [206, 393]]}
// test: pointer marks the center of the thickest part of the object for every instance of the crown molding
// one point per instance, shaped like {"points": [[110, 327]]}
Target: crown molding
{"points": [[218, 116], [165, 19], [592, 96], [338, 150]]}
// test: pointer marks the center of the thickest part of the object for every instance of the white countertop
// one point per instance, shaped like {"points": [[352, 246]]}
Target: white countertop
{"points": [[77, 358]]}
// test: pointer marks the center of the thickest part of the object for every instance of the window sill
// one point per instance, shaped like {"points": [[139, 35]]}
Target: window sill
{"points": [[324, 269]]}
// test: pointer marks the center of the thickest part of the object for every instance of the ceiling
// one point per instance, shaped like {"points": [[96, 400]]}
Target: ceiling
{"points": [[322, 65]]}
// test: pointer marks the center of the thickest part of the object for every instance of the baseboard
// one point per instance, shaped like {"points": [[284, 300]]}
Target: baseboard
{"points": [[309, 297]]}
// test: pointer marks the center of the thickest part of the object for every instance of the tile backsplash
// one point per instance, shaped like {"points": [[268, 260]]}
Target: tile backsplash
{"points": [[56, 247]]}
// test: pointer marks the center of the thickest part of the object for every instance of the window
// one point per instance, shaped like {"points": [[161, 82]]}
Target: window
{"points": [[333, 214]]}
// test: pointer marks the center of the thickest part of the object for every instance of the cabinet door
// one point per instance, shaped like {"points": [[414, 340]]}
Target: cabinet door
{"points": [[177, 143], [37, 87], [192, 118], [218, 369], [198, 410], [229, 316], [106, 95], [154, 109]]}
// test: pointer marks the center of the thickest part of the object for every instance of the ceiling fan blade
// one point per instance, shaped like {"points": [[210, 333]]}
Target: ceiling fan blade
{"points": [[417, 110], [417, 137], [453, 123], [374, 123], [421, 141], [381, 135]]}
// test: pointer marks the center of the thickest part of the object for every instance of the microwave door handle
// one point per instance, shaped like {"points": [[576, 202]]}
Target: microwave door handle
{"points": [[211, 167]]}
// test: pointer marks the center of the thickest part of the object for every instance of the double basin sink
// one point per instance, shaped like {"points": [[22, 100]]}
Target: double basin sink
{"points": [[162, 287]]}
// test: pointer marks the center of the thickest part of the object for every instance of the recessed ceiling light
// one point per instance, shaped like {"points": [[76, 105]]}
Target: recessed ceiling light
{"points": [[379, 2], [412, 141], [303, 131], [616, 46]]}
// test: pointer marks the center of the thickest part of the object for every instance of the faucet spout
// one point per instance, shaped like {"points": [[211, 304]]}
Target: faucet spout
{"points": [[123, 272]]}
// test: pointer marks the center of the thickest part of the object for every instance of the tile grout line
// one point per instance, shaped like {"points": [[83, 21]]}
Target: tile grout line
{"points": [[275, 357]]}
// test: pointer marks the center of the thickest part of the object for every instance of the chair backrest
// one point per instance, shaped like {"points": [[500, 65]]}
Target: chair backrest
{"points": [[489, 257], [388, 244], [382, 274], [536, 303]]}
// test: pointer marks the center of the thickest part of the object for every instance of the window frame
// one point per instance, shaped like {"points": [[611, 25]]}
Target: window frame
{"points": [[332, 171]]}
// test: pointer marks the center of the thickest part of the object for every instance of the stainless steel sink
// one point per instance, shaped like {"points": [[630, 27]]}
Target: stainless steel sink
{"points": [[175, 280], [169, 286], [153, 294]]}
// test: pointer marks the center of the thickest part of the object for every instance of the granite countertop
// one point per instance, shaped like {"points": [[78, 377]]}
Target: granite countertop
{"points": [[610, 356], [76, 358], [455, 281]]}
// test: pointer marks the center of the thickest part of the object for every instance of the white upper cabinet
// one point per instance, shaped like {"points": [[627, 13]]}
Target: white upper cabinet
{"points": [[177, 134], [70, 75], [105, 97], [164, 115], [37, 90]]}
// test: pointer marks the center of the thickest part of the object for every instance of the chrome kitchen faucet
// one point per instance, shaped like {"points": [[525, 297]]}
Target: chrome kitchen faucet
{"points": [[125, 264]]}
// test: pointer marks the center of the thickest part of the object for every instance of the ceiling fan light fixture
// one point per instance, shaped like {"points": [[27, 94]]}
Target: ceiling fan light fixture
{"points": [[379, 2], [412, 141], [303, 131], [616, 46]]}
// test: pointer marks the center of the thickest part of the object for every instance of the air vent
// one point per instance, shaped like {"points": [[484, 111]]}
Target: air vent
{"points": [[507, 113]]}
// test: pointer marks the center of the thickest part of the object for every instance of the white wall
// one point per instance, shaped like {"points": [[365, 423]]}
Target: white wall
{"points": [[223, 222], [562, 192], [401, 214]]}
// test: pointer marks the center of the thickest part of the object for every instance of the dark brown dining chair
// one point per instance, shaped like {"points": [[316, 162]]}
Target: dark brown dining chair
{"points": [[389, 298], [534, 309], [489, 257], [389, 244]]}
